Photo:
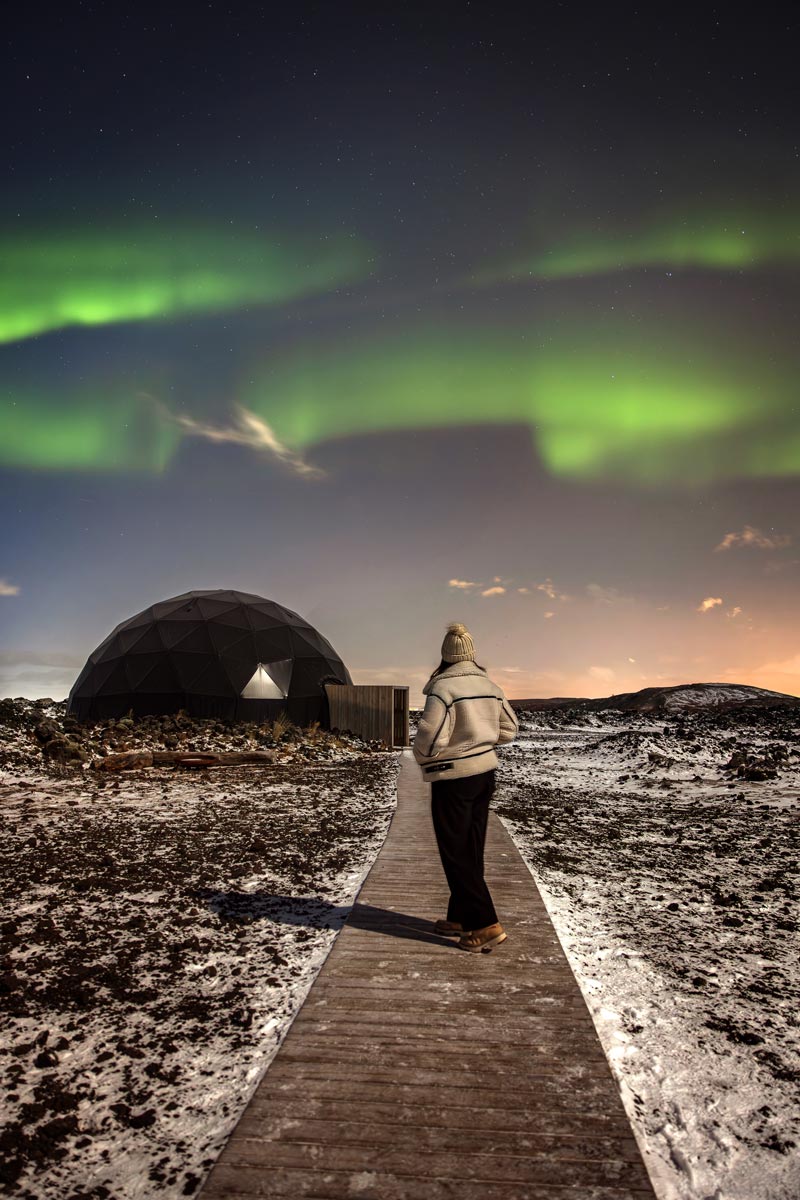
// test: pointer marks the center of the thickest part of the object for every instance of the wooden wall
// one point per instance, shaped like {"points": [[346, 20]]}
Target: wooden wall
{"points": [[369, 711]]}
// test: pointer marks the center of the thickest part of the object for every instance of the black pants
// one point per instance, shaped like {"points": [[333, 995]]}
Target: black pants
{"points": [[460, 811]]}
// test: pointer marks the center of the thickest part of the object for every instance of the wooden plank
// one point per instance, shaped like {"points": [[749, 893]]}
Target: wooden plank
{"points": [[259, 1130], [404, 992], [235, 1183], [414, 1070], [550, 1098], [403, 1025], [575, 1075], [427, 1048], [407, 956], [477, 1158], [400, 1024], [533, 1122], [259, 1158], [300, 1130]]}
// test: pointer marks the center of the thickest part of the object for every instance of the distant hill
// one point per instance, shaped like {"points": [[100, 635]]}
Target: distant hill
{"points": [[550, 702], [681, 696]]}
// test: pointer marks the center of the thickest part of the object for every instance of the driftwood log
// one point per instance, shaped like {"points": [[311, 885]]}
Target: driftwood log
{"points": [[132, 759]]}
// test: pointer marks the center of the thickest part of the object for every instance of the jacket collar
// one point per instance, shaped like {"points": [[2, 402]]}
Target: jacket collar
{"points": [[465, 667]]}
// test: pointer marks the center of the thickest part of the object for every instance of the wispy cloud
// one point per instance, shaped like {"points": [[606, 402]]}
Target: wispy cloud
{"points": [[548, 614], [248, 429], [550, 590], [733, 612], [750, 536], [709, 603], [8, 589], [467, 584], [607, 595]]}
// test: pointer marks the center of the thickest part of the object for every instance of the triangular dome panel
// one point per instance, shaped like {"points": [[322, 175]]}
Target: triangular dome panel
{"points": [[265, 621], [189, 667], [110, 652], [235, 617], [230, 639], [172, 633], [116, 682], [195, 639], [140, 641], [144, 618], [139, 666], [190, 611], [272, 644], [212, 681], [210, 607], [161, 678], [261, 686], [281, 671], [167, 607]]}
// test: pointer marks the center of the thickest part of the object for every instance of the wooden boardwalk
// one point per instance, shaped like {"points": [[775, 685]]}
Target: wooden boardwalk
{"points": [[416, 1071]]}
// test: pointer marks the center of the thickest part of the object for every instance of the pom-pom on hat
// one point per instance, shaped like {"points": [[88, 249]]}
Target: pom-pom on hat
{"points": [[457, 645]]}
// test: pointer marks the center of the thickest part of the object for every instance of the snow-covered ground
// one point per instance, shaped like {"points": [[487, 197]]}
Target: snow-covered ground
{"points": [[673, 888], [161, 928], [159, 932]]}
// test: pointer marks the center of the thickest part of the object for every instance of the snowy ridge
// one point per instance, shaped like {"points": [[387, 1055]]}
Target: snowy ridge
{"points": [[697, 695], [673, 698]]}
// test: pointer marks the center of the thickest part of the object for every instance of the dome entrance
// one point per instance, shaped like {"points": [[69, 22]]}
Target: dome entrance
{"points": [[264, 684]]}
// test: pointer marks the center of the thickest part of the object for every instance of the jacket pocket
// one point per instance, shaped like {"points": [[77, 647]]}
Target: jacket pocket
{"points": [[442, 734], [477, 723]]}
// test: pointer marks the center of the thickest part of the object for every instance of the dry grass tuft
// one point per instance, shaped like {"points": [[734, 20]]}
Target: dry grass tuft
{"points": [[281, 725]]}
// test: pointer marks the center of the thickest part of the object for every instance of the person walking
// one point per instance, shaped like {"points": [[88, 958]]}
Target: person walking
{"points": [[465, 716]]}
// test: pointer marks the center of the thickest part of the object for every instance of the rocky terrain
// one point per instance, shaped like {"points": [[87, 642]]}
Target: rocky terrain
{"points": [[39, 734], [666, 847], [162, 926], [160, 929]]}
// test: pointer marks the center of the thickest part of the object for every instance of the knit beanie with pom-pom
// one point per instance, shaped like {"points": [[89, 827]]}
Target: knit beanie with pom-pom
{"points": [[457, 645]]}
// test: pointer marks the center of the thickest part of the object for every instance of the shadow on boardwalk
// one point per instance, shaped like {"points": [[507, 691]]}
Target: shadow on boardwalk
{"points": [[242, 908]]}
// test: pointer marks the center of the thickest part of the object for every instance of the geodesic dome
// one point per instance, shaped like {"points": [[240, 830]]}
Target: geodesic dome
{"points": [[215, 654]]}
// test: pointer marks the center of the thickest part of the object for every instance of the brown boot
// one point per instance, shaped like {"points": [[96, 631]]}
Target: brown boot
{"points": [[450, 928], [483, 940]]}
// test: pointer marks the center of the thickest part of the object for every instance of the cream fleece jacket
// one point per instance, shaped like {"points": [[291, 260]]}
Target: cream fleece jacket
{"points": [[465, 716]]}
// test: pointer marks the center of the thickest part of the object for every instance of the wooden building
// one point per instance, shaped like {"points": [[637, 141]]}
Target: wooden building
{"points": [[372, 711]]}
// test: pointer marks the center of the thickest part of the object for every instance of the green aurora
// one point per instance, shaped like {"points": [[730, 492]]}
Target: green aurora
{"points": [[54, 280], [103, 427], [603, 398], [598, 407], [733, 241]]}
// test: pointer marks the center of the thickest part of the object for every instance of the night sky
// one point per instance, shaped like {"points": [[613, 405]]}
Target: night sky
{"points": [[401, 315]]}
